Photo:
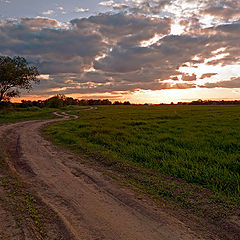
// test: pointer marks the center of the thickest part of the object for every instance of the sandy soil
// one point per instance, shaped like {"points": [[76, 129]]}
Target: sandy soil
{"points": [[91, 205]]}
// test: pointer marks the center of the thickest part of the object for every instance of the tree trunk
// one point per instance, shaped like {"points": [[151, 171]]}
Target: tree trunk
{"points": [[1, 95]]}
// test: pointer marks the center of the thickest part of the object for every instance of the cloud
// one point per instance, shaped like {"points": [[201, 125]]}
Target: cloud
{"points": [[5, 1], [120, 6], [107, 3], [207, 75], [124, 28], [164, 57], [96, 82], [187, 77], [105, 52], [81, 10], [222, 9], [233, 83], [49, 44], [175, 78], [232, 28], [40, 22], [48, 12], [60, 8], [146, 7], [151, 7]]}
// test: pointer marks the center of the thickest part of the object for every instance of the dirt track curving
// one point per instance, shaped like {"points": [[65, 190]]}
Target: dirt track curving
{"points": [[91, 205]]}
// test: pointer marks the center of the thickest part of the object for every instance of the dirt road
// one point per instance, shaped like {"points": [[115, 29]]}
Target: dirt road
{"points": [[91, 205]]}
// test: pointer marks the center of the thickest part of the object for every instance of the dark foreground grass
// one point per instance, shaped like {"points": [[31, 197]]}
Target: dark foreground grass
{"points": [[200, 144], [31, 113]]}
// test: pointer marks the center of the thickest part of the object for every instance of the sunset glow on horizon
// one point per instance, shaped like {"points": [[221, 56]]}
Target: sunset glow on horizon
{"points": [[139, 51]]}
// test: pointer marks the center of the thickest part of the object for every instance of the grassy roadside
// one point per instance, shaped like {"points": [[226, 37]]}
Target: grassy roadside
{"points": [[23, 114], [185, 157]]}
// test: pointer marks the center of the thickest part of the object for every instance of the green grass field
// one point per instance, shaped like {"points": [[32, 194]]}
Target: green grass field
{"points": [[200, 144], [31, 113]]}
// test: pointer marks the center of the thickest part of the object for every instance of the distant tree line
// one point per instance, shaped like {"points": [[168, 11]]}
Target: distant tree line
{"points": [[60, 100], [210, 102]]}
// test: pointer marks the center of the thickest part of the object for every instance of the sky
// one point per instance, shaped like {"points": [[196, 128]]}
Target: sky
{"points": [[142, 51]]}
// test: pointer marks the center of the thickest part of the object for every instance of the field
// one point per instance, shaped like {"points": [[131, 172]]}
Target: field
{"points": [[32, 113], [200, 144], [186, 158]]}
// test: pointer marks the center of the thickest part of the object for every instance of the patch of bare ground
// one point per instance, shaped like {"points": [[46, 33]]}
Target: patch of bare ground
{"points": [[90, 204], [23, 215]]}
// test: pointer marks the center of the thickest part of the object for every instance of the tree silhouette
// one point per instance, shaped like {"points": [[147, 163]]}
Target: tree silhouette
{"points": [[15, 74]]}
